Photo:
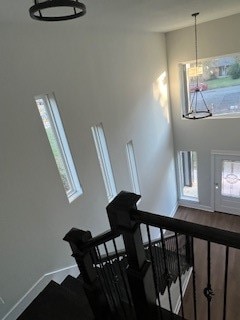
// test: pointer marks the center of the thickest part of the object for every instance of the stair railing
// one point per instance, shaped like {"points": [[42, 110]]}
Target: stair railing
{"points": [[144, 266], [102, 263], [195, 233]]}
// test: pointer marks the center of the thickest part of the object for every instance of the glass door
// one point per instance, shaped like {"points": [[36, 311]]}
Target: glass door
{"points": [[227, 184]]}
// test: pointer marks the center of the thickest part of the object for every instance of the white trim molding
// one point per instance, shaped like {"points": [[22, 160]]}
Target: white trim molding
{"points": [[225, 152], [57, 275], [174, 210], [194, 205], [184, 288]]}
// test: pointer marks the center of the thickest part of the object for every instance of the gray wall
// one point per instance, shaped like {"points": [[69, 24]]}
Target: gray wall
{"points": [[217, 37], [97, 76]]}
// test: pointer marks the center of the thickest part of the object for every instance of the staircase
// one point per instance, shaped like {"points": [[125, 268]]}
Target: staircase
{"points": [[63, 301], [69, 301], [124, 278]]}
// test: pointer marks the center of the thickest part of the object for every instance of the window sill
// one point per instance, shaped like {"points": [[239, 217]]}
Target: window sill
{"points": [[75, 196], [188, 199]]}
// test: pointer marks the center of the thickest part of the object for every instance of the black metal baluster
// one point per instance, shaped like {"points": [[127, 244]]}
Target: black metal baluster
{"points": [[99, 277], [208, 292], [225, 284], [154, 271], [179, 274], [194, 280], [122, 274], [159, 264], [105, 277], [115, 280], [166, 270]]}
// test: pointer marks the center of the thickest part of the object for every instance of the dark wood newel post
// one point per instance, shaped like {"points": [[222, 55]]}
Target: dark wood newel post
{"points": [[140, 271], [77, 240]]}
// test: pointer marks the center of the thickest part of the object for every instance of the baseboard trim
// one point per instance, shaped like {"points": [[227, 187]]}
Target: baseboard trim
{"points": [[195, 205], [172, 214], [184, 288], [56, 275]]}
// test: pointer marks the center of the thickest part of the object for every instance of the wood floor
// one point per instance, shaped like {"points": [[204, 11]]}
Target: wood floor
{"points": [[221, 221]]}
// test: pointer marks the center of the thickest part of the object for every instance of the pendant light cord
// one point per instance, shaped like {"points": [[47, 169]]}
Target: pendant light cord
{"points": [[196, 45]]}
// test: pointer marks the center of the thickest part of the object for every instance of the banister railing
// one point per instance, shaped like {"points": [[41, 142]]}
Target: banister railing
{"points": [[138, 277], [224, 237]]}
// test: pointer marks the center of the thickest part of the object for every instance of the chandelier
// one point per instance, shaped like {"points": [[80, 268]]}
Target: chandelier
{"points": [[194, 111], [44, 10]]}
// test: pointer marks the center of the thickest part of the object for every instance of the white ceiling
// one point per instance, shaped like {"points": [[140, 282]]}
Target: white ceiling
{"points": [[150, 15]]}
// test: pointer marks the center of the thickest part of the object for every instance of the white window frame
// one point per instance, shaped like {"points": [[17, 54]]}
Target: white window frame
{"points": [[132, 165], [181, 178], [104, 160], [61, 139], [185, 97]]}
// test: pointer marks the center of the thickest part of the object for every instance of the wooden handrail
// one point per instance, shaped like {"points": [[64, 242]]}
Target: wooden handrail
{"points": [[100, 239], [224, 237]]}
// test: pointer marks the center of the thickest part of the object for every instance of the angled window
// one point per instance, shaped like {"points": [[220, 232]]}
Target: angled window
{"points": [[219, 81], [51, 119], [104, 160], [132, 167], [187, 165]]}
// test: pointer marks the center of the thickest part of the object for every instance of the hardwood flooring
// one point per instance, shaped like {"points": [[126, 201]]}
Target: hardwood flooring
{"points": [[221, 221]]}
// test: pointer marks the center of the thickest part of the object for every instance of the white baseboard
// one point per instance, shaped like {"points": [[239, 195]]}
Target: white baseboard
{"points": [[172, 214], [194, 205], [57, 275], [175, 293], [184, 288]]}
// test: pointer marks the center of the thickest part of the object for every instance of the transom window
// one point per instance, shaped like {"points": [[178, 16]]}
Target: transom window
{"points": [[52, 123], [219, 80]]}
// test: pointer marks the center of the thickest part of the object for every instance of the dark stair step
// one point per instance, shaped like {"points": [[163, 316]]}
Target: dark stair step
{"points": [[172, 264], [167, 315], [56, 302], [76, 287], [97, 299]]}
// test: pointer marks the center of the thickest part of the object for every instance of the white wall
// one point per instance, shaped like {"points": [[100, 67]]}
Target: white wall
{"points": [[96, 75], [217, 37]]}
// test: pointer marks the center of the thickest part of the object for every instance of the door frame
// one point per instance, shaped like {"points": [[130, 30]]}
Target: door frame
{"points": [[215, 153]]}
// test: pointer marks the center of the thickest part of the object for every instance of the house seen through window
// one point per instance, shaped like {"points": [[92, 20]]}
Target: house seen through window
{"points": [[50, 116], [219, 81]]}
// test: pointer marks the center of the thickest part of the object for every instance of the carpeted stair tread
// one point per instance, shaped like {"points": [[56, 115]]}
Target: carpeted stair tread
{"points": [[172, 265], [56, 302], [76, 287]]}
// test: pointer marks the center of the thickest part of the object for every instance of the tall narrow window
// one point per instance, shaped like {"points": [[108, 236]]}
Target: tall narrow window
{"points": [[104, 160], [188, 175], [51, 119], [132, 167]]}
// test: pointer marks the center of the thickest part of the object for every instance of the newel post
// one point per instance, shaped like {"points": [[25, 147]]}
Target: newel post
{"points": [[139, 272], [77, 240]]}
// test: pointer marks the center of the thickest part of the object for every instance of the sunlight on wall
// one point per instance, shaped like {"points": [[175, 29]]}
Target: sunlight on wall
{"points": [[160, 93]]}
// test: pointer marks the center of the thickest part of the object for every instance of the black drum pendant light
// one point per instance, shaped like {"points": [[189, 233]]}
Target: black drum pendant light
{"points": [[196, 112], [39, 11]]}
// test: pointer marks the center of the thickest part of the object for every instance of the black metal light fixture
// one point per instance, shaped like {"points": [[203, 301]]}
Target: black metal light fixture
{"points": [[196, 112], [39, 11]]}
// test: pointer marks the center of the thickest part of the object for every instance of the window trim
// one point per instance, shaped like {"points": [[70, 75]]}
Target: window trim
{"points": [[132, 165], [104, 160], [56, 123], [184, 91], [181, 178]]}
